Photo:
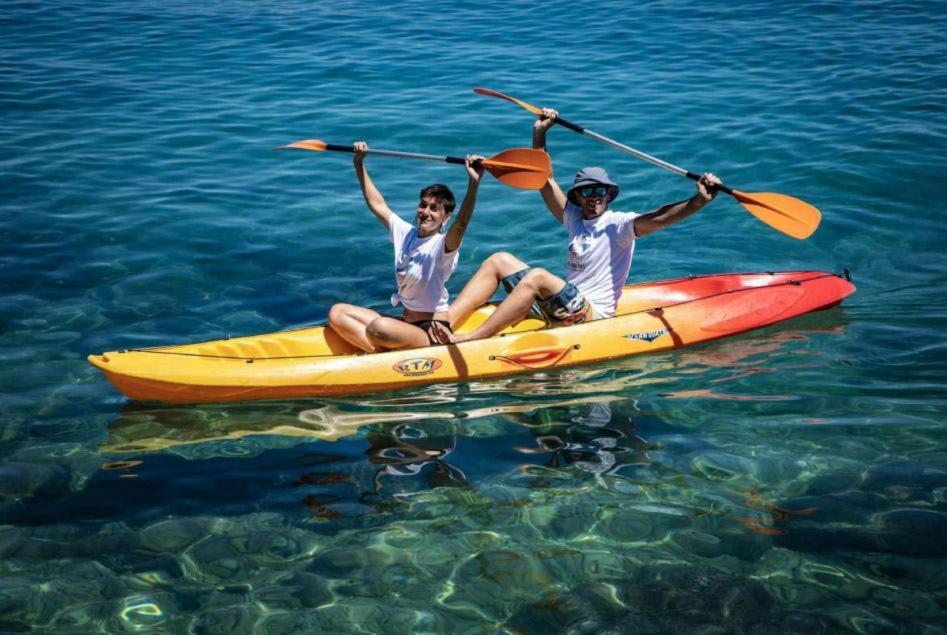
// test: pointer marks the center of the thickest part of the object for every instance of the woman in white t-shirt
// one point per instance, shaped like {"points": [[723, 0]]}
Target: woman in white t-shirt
{"points": [[601, 244], [424, 259]]}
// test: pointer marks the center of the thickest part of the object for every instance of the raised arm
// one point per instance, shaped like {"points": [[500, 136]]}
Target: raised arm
{"points": [[456, 232], [374, 199], [672, 213], [552, 194]]}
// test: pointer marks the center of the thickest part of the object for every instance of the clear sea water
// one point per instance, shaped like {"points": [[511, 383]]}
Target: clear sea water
{"points": [[790, 480]]}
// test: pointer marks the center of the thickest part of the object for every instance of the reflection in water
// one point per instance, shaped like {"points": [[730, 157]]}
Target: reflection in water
{"points": [[151, 429], [596, 439], [405, 451], [774, 513]]}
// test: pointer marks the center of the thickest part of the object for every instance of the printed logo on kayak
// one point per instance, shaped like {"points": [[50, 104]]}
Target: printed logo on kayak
{"points": [[648, 336], [417, 366]]}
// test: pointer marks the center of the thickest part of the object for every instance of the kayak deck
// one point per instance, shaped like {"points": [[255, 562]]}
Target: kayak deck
{"points": [[314, 361]]}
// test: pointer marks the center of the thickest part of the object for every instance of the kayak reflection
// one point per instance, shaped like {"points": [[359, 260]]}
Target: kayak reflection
{"points": [[142, 429]]}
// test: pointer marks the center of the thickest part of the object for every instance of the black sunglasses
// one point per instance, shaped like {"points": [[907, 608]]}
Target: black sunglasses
{"points": [[593, 190]]}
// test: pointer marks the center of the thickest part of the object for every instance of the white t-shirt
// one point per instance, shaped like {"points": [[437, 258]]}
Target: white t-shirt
{"points": [[421, 268], [600, 253]]}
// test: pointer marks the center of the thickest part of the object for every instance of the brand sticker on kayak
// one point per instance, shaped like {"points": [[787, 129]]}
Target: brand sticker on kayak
{"points": [[648, 336], [417, 366]]}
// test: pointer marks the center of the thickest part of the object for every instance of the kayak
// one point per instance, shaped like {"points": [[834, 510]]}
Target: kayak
{"points": [[315, 362]]}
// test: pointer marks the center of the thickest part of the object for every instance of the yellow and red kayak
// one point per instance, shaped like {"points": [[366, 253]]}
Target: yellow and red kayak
{"points": [[315, 362]]}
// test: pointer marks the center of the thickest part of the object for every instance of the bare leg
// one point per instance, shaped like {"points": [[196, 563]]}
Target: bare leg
{"points": [[389, 333], [536, 285], [351, 322], [483, 284]]}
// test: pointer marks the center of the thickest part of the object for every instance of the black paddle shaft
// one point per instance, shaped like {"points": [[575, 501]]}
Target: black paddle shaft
{"points": [[408, 155], [641, 155]]}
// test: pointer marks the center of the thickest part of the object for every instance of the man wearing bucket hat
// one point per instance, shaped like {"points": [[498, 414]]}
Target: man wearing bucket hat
{"points": [[601, 244]]}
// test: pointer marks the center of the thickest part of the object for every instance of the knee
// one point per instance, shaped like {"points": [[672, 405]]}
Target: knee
{"points": [[337, 313], [499, 260], [503, 264], [377, 329], [534, 278]]}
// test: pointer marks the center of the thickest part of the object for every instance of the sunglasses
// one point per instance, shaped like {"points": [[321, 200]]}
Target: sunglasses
{"points": [[593, 190]]}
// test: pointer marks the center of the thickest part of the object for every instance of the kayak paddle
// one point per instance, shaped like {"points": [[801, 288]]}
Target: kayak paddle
{"points": [[524, 168], [784, 213]]}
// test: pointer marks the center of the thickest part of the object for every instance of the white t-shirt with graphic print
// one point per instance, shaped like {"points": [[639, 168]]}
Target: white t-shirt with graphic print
{"points": [[600, 252], [421, 267]]}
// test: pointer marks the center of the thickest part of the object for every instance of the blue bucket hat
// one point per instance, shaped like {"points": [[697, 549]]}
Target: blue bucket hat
{"points": [[592, 176]]}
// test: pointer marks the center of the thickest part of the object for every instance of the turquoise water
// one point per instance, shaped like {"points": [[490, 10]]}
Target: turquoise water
{"points": [[790, 480]]}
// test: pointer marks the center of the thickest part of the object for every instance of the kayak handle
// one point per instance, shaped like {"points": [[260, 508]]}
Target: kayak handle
{"points": [[536, 359]]}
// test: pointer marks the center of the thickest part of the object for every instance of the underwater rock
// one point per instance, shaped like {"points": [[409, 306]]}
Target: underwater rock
{"points": [[576, 567], [916, 532], [236, 620], [343, 561], [571, 520], [699, 543], [22, 480], [158, 571], [112, 538], [492, 583], [834, 482], [906, 473], [145, 612], [298, 590], [220, 561], [679, 443], [720, 466], [927, 575], [557, 611], [15, 595], [699, 595], [642, 523], [904, 480], [170, 536], [11, 539], [796, 623]]}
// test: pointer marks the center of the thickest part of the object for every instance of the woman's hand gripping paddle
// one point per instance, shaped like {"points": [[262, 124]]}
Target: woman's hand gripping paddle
{"points": [[524, 168], [789, 215]]}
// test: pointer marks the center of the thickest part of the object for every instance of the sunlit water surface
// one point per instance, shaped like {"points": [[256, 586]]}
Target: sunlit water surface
{"points": [[790, 480]]}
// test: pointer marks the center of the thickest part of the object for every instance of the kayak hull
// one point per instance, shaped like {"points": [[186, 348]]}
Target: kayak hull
{"points": [[314, 362]]}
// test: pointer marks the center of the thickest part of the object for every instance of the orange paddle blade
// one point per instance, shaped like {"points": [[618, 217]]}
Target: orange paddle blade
{"points": [[785, 213], [492, 93], [309, 144], [525, 168]]}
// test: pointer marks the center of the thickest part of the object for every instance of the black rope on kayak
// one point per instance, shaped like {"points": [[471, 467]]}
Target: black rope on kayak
{"points": [[795, 283], [249, 360]]}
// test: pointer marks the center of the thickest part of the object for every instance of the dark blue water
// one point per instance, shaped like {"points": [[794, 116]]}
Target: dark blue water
{"points": [[789, 480]]}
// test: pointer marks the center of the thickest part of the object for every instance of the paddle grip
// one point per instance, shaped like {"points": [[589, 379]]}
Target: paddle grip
{"points": [[458, 160], [720, 188], [337, 148], [571, 126]]}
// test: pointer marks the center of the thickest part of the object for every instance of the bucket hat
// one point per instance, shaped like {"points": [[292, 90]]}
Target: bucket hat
{"points": [[592, 176]]}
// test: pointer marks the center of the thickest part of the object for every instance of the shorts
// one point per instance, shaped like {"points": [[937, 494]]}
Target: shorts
{"points": [[428, 326], [567, 307]]}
